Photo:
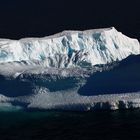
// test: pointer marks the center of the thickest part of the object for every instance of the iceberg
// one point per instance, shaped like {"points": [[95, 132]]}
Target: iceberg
{"points": [[71, 70]]}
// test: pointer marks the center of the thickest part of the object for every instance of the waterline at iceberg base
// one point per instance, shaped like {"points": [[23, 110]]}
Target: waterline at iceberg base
{"points": [[71, 70]]}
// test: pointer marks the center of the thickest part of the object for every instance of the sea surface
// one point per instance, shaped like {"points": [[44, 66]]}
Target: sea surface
{"points": [[58, 125]]}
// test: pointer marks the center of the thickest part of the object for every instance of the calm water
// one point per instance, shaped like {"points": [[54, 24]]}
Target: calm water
{"points": [[54, 125]]}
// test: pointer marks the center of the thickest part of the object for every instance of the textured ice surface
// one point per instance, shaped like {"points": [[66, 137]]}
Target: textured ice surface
{"points": [[70, 48], [72, 70]]}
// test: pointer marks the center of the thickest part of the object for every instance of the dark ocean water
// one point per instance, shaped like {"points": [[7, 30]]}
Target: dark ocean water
{"points": [[55, 125]]}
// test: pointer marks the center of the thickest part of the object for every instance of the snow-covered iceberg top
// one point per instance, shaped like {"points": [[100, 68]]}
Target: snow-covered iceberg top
{"points": [[70, 48]]}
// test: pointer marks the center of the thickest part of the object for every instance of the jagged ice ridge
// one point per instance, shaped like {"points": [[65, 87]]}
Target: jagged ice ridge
{"points": [[70, 48]]}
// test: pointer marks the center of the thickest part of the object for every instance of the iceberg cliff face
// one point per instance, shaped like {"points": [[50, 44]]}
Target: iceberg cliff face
{"points": [[71, 48], [72, 70]]}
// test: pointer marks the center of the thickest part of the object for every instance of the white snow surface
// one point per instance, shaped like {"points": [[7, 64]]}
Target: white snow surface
{"points": [[70, 48]]}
